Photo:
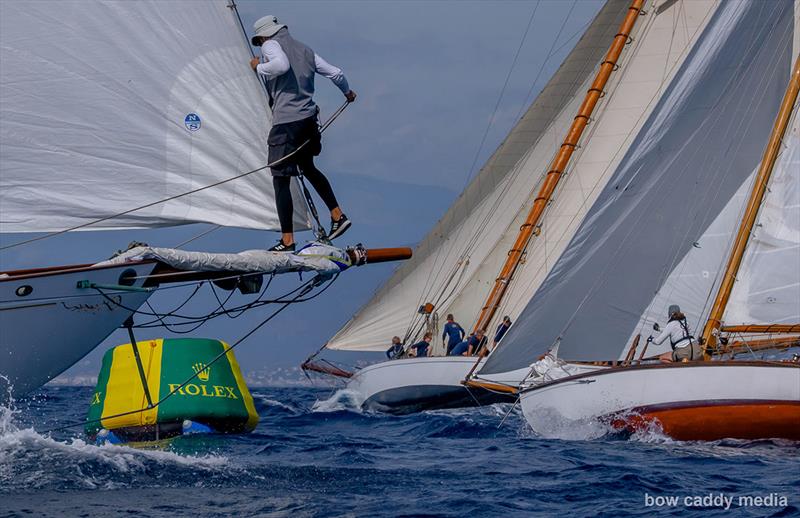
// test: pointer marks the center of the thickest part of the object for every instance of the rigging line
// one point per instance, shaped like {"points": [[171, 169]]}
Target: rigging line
{"points": [[502, 93], [217, 313], [222, 303], [232, 6], [510, 180], [175, 310], [198, 236], [244, 307], [601, 111], [256, 303], [510, 410], [518, 169], [181, 195], [492, 209], [160, 317], [319, 230], [307, 287], [468, 176], [171, 327], [550, 54]]}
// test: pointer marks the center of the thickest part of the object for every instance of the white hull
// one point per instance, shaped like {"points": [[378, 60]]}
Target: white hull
{"points": [[47, 330], [414, 384], [690, 401]]}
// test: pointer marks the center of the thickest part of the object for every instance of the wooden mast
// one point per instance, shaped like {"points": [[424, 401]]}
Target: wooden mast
{"points": [[557, 167], [712, 327]]}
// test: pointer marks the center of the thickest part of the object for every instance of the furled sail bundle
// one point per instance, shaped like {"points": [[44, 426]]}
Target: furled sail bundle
{"points": [[660, 230], [106, 106]]}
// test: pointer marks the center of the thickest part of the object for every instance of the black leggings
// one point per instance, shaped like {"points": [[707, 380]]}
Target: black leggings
{"points": [[283, 192]]}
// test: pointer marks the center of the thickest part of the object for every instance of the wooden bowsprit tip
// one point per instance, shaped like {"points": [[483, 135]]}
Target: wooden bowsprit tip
{"points": [[360, 255]]}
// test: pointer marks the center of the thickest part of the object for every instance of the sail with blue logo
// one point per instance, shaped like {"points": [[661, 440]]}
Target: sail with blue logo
{"points": [[149, 99]]}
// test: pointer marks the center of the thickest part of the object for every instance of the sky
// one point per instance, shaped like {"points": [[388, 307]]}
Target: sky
{"points": [[431, 109]]}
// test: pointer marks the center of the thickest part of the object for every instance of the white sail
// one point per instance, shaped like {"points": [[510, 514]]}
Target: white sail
{"points": [[448, 265], [679, 177], [767, 288], [697, 274], [661, 41], [106, 106]]}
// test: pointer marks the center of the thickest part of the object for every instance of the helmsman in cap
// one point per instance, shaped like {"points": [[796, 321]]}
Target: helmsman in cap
{"points": [[289, 67]]}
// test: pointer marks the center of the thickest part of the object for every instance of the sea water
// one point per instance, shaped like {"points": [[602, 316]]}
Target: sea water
{"points": [[314, 454]]}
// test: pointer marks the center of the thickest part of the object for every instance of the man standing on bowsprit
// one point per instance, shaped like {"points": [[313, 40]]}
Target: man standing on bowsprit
{"points": [[289, 67]]}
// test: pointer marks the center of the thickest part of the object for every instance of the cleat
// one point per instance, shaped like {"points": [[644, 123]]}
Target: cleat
{"points": [[339, 227], [282, 247]]}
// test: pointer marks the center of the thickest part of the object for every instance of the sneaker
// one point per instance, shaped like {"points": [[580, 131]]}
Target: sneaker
{"points": [[282, 247], [339, 227]]}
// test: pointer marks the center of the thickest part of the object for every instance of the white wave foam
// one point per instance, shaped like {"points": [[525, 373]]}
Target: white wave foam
{"points": [[550, 424], [493, 410], [651, 433], [274, 402], [29, 459], [342, 399]]}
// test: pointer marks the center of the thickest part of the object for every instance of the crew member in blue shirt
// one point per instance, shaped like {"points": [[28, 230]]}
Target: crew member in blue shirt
{"points": [[471, 345], [476, 341], [421, 347], [453, 332], [501, 330], [396, 350]]}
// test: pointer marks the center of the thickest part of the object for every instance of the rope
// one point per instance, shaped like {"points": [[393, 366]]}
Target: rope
{"points": [[175, 197], [200, 320], [320, 230], [305, 289], [198, 236]]}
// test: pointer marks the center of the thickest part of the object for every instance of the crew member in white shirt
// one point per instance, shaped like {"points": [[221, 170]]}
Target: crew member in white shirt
{"points": [[289, 67], [683, 344]]}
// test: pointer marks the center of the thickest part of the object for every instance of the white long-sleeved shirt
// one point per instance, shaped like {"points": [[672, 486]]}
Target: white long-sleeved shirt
{"points": [[674, 331], [277, 63]]}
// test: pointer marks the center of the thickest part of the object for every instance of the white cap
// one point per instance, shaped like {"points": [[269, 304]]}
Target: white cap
{"points": [[266, 27]]}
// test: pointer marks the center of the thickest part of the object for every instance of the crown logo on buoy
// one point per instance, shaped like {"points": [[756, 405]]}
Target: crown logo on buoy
{"points": [[202, 371]]}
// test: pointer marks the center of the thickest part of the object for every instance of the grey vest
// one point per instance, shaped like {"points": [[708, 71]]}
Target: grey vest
{"points": [[291, 93]]}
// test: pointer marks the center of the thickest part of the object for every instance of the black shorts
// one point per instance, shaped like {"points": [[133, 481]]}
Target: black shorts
{"points": [[285, 138]]}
